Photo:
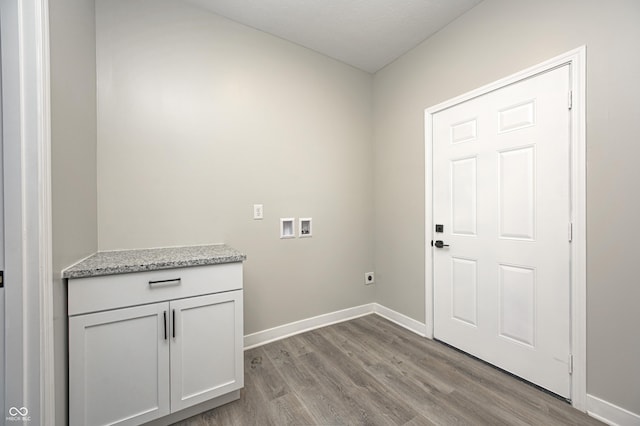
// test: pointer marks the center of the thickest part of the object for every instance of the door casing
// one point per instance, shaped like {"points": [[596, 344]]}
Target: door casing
{"points": [[577, 61], [29, 374]]}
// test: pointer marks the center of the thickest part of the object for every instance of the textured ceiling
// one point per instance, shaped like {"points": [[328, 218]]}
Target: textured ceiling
{"points": [[367, 34]]}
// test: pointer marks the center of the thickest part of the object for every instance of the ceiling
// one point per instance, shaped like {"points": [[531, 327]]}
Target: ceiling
{"points": [[367, 34]]}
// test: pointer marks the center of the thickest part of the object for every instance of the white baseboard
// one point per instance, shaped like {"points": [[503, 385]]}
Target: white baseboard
{"points": [[401, 319], [276, 333], [283, 331], [611, 414]]}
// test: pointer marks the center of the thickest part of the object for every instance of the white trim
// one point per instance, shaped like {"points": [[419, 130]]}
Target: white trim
{"points": [[45, 244], [283, 331], [577, 60], [29, 287], [579, 237], [297, 327], [402, 320], [611, 414], [2, 244], [428, 221]]}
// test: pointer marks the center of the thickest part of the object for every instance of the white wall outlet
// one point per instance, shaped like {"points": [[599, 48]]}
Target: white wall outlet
{"points": [[369, 278], [258, 212]]}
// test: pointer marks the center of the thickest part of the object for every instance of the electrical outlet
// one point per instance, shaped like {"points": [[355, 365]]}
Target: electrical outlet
{"points": [[369, 278], [258, 211]]}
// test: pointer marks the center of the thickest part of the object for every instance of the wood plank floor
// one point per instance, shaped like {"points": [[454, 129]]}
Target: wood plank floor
{"points": [[369, 371]]}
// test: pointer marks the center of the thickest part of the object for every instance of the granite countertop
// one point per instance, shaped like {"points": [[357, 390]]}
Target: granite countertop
{"points": [[125, 261]]}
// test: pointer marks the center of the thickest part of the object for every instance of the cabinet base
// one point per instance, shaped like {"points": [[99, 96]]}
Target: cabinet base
{"points": [[196, 409]]}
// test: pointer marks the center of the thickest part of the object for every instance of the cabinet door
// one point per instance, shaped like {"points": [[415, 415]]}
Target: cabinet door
{"points": [[207, 348], [118, 362]]}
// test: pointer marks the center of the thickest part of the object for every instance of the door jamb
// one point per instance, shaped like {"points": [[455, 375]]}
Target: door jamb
{"points": [[576, 59]]}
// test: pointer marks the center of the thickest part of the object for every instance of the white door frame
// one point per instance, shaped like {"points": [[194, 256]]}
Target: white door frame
{"points": [[2, 366], [29, 373], [577, 60]]}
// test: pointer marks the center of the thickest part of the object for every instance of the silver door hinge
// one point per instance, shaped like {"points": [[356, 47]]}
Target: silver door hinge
{"points": [[570, 231], [570, 364], [570, 99]]}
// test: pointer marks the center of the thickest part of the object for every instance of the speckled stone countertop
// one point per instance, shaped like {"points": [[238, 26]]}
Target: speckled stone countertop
{"points": [[125, 261]]}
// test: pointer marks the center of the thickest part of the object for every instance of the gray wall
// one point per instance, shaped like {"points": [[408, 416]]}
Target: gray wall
{"points": [[493, 40], [199, 118], [73, 159]]}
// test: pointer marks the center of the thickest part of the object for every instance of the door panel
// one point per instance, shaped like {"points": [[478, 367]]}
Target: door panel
{"points": [[501, 190], [517, 193], [119, 360], [206, 355], [517, 117], [463, 196], [464, 290], [517, 303]]}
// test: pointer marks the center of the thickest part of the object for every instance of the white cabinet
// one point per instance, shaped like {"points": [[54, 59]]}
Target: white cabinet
{"points": [[133, 364]]}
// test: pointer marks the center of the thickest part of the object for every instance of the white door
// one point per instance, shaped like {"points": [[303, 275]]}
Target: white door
{"points": [[119, 366], [207, 357], [501, 190]]}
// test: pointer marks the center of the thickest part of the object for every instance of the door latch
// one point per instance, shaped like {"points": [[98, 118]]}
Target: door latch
{"points": [[439, 244]]}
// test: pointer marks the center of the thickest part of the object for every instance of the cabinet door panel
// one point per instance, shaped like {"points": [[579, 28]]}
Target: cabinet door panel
{"points": [[118, 366], [206, 352]]}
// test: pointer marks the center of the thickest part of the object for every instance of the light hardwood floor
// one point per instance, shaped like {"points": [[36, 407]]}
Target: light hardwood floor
{"points": [[369, 371]]}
